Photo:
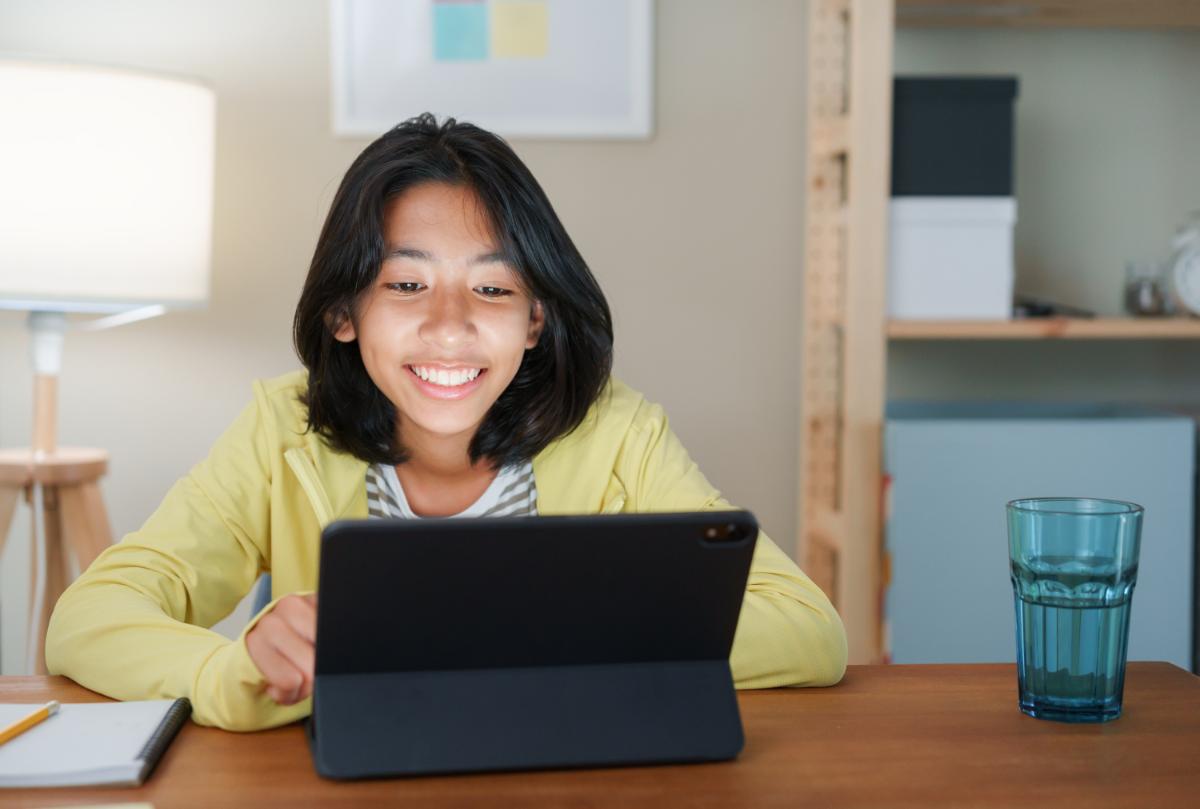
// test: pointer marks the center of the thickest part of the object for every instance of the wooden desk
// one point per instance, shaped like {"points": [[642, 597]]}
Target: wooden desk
{"points": [[887, 736]]}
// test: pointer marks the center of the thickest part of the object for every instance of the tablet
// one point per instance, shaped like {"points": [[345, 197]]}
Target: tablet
{"points": [[465, 645]]}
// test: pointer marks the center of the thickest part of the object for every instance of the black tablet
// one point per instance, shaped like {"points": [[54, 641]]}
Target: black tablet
{"points": [[463, 645]]}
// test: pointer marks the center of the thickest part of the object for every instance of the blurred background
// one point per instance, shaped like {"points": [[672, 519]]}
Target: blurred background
{"points": [[696, 233]]}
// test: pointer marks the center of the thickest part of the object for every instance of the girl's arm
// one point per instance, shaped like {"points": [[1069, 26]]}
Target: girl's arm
{"points": [[788, 632], [133, 626]]}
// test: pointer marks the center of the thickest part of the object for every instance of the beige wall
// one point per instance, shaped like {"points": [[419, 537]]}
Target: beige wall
{"points": [[694, 236]]}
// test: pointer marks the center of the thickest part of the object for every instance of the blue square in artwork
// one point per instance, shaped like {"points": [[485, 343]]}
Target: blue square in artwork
{"points": [[460, 31]]}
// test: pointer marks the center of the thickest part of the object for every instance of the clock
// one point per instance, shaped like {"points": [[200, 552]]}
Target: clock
{"points": [[1183, 269]]}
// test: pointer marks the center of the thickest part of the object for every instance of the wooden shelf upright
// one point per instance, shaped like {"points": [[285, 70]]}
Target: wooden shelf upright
{"points": [[844, 341]]}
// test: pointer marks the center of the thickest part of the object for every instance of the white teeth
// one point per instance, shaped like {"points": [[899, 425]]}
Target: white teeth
{"points": [[448, 379]]}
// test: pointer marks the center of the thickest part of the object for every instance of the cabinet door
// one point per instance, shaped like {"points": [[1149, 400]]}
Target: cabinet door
{"points": [[950, 599]]}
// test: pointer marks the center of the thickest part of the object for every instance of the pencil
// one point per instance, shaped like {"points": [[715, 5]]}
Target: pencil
{"points": [[22, 725]]}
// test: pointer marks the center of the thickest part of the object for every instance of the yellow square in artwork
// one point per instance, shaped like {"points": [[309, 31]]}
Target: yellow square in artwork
{"points": [[520, 29]]}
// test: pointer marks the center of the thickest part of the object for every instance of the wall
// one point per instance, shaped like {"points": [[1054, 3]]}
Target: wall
{"points": [[695, 236], [1107, 134]]}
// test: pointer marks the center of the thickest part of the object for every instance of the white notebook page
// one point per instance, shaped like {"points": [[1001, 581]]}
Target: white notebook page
{"points": [[84, 743]]}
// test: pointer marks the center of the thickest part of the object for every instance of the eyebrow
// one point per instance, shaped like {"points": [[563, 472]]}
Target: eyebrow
{"points": [[424, 255]]}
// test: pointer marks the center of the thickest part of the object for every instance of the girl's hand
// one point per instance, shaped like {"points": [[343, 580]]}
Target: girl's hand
{"points": [[281, 644]]}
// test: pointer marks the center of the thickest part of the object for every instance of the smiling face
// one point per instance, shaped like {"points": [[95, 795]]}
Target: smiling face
{"points": [[446, 324]]}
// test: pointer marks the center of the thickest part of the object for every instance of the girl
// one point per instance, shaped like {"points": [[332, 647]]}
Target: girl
{"points": [[457, 353]]}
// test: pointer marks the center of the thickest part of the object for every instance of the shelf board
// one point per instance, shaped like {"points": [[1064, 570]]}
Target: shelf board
{"points": [[1048, 13], [1058, 328]]}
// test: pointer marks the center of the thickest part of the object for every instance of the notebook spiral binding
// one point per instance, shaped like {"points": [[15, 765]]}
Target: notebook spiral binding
{"points": [[157, 744]]}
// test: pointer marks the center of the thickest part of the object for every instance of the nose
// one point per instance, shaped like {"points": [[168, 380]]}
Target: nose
{"points": [[448, 323]]}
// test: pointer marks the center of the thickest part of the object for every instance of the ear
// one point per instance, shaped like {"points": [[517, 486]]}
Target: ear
{"points": [[537, 322], [342, 327]]}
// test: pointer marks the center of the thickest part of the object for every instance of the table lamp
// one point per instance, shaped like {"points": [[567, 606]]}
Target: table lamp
{"points": [[105, 208]]}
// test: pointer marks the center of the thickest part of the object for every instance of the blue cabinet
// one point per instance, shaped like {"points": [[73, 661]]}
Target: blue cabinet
{"points": [[954, 466]]}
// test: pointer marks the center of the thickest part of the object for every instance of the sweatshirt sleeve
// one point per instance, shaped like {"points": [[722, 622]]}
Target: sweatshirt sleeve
{"points": [[788, 632], [135, 624]]}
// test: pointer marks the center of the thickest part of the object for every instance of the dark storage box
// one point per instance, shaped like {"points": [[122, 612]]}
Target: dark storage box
{"points": [[953, 137]]}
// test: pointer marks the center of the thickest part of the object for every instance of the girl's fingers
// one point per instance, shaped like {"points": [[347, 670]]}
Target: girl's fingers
{"points": [[281, 645], [302, 618], [298, 650], [284, 679], [296, 641]]}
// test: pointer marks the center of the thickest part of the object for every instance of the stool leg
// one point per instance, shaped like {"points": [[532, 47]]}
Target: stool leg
{"points": [[97, 518], [8, 507], [55, 578], [86, 530], [35, 645]]}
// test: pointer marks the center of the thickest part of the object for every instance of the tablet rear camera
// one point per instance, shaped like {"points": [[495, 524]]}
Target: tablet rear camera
{"points": [[729, 532]]}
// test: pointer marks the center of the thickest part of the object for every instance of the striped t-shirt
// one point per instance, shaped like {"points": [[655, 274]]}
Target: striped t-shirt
{"points": [[511, 494]]}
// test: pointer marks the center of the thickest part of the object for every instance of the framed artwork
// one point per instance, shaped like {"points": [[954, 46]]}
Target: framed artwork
{"points": [[521, 68]]}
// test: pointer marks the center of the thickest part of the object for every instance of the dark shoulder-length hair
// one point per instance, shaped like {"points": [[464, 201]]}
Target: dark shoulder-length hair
{"points": [[558, 379]]}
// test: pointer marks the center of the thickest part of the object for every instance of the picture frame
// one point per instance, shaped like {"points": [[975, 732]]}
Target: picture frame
{"points": [[543, 69]]}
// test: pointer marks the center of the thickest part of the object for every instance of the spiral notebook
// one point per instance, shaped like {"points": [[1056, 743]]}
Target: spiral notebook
{"points": [[90, 743]]}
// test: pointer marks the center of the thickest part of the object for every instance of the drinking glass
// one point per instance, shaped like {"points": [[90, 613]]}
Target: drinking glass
{"points": [[1144, 295], [1074, 564]]}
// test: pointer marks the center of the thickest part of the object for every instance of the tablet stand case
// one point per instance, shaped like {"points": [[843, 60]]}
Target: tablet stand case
{"points": [[527, 643]]}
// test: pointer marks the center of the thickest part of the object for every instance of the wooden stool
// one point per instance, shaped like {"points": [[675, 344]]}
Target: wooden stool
{"points": [[72, 516]]}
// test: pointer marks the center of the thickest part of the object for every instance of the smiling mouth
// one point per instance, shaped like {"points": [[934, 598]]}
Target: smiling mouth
{"points": [[446, 378]]}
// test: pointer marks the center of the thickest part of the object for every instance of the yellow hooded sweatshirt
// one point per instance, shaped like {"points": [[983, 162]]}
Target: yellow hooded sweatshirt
{"points": [[135, 624]]}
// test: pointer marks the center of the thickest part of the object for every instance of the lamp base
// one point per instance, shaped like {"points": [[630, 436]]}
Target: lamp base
{"points": [[65, 483]]}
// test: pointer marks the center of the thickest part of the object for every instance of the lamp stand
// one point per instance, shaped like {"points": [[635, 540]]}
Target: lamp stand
{"points": [[61, 486]]}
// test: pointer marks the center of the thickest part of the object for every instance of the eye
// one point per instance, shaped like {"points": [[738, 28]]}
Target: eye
{"points": [[406, 287], [493, 292]]}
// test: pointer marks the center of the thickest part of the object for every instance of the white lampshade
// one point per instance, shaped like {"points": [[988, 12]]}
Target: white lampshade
{"points": [[106, 188]]}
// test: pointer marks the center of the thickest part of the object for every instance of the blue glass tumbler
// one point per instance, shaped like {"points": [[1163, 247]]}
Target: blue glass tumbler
{"points": [[1074, 563]]}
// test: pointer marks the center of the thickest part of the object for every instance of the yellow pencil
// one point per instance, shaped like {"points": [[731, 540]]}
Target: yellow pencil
{"points": [[22, 725]]}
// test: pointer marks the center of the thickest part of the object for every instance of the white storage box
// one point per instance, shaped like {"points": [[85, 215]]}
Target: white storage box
{"points": [[951, 258]]}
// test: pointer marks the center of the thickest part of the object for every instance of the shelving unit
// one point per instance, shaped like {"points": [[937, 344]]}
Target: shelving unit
{"points": [[845, 328], [1049, 13], [1058, 328]]}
